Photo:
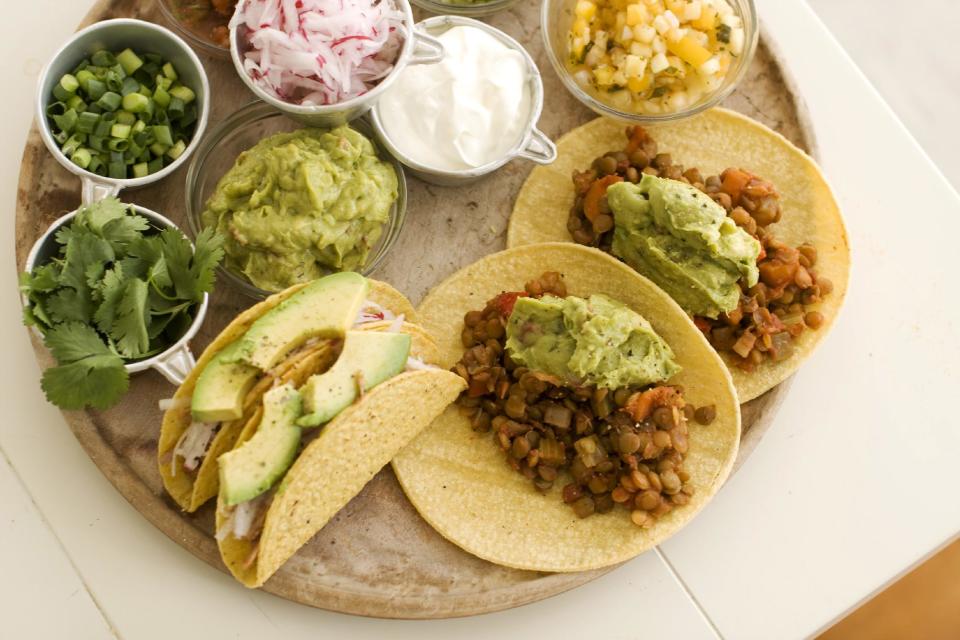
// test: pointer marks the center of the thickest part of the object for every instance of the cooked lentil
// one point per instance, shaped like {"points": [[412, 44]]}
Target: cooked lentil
{"points": [[623, 447], [772, 313]]}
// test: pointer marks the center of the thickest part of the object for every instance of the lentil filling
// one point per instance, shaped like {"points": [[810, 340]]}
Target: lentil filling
{"points": [[770, 314], [607, 447]]}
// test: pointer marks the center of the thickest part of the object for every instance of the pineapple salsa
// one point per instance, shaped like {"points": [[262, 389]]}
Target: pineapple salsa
{"points": [[653, 56]]}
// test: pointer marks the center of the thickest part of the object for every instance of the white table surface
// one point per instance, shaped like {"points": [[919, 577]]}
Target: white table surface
{"points": [[850, 488]]}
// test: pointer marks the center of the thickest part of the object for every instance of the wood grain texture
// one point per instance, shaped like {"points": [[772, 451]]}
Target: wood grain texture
{"points": [[377, 557]]}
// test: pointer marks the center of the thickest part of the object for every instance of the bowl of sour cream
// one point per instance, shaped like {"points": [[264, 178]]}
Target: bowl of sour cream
{"points": [[463, 118]]}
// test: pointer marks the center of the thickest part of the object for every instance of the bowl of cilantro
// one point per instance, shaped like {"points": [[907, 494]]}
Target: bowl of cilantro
{"points": [[114, 289]]}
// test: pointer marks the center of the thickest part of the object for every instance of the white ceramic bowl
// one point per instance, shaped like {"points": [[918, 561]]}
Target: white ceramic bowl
{"points": [[534, 145], [143, 37], [176, 362], [418, 48]]}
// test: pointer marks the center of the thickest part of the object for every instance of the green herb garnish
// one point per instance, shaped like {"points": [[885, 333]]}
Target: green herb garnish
{"points": [[118, 290], [723, 33]]}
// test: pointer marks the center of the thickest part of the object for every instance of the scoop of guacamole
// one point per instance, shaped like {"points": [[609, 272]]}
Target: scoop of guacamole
{"points": [[297, 205], [595, 341], [677, 236]]}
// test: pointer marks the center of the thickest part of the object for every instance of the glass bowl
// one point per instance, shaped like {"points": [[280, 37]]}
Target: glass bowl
{"points": [[556, 17], [472, 10], [240, 131], [197, 35]]}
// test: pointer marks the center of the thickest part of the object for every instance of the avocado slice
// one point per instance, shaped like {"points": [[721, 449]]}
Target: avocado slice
{"points": [[256, 465], [368, 357], [222, 386], [325, 308]]}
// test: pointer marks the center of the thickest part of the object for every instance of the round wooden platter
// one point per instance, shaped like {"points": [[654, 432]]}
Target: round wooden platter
{"points": [[377, 557]]}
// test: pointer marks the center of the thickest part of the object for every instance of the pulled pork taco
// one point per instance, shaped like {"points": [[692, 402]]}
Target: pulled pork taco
{"points": [[313, 448], [596, 422], [728, 217], [284, 339]]}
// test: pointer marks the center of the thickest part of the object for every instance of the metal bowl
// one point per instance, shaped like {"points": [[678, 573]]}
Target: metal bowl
{"points": [[119, 34], [534, 145], [475, 10], [243, 129], [556, 16], [418, 48], [176, 362]]}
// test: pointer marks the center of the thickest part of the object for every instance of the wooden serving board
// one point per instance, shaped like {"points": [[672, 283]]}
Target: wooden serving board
{"points": [[377, 557]]}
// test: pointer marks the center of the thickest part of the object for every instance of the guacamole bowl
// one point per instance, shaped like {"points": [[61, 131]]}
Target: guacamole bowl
{"points": [[225, 146]]}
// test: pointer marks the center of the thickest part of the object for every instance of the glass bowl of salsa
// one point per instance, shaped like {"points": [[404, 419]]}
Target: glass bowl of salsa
{"points": [[202, 23], [232, 143]]}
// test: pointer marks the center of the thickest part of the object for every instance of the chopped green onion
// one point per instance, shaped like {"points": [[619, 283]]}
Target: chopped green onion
{"points": [[97, 143], [125, 117], [162, 135], [67, 122], [155, 165], [169, 71], [87, 122], [110, 101], [139, 126], [95, 89], [118, 144], [81, 157], [128, 86], [158, 149], [176, 150], [129, 61], [140, 169], [56, 109], [60, 93], [135, 102], [161, 97], [77, 104], [175, 109], [103, 58], [183, 92], [121, 131], [96, 165], [117, 170], [69, 83], [102, 128]]}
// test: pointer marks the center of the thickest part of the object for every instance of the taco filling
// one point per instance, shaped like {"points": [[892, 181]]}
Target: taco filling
{"points": [[708, 242], [575, 392]]}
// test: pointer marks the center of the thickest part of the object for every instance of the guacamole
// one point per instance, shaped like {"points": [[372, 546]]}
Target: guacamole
{"points": [[595, 341], [298, 205], [677, 236]]}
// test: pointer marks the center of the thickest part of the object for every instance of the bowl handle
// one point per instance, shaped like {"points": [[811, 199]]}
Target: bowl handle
{"points": [[426, 49], [176, 365], [94, 190], [539, 148]]}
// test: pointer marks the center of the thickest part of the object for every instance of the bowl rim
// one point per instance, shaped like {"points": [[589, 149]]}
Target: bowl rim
{"points": [[472, 10], [92, 181], [361, 102], [255, 111], [531, 131], [748, 13], [170, 357]]}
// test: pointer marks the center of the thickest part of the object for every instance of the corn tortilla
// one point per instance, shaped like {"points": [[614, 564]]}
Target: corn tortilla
{"points": [[191, 491], [335, 467], [458, 480], [712, 141]]}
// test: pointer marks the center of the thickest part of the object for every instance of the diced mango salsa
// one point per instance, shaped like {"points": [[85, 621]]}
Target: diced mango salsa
{"points": [[666, 53]]}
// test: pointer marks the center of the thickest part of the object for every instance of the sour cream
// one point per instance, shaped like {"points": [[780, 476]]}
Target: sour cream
{"points": [[464, 112]]}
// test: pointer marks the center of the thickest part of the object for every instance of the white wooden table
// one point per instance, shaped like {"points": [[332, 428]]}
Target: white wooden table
{"points": [[852, 486]]}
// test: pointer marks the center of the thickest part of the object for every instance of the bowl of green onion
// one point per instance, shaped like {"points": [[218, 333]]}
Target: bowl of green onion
{"points": [[122, 104]]}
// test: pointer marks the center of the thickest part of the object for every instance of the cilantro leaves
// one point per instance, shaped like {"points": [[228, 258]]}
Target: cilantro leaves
{"points": [[118, 290]]}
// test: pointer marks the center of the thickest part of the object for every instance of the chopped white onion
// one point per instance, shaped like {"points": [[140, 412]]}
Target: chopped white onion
{"points": [[396, 325], [317, 52], [166, 404]]}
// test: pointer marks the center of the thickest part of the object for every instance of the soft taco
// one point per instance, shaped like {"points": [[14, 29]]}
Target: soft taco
{"points": [[597, 419], [313, 448], [745, 234], [221, 398]]}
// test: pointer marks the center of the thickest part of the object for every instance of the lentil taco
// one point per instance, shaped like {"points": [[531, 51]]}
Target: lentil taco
{"points": [[745, 234], [596, 421], [220, 398]]}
